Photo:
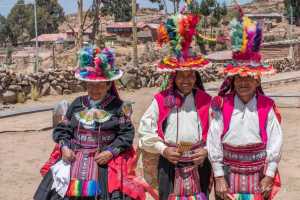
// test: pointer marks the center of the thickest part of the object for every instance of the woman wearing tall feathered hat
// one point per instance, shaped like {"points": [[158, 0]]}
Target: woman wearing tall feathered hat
{"points": [[175, 125], [245, 136]]}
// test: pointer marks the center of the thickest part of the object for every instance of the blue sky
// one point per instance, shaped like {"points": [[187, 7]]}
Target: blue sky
{"points": [[70, 6]]}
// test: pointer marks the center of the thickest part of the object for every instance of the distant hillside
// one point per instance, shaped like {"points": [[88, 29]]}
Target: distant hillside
{"points": [[264, 6]]}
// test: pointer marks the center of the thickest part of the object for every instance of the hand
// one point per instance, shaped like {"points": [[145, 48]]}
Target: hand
{"points": [[67, 154], [103, 157], [199, 156], [171, 154], [266, 185], [221, 187]]}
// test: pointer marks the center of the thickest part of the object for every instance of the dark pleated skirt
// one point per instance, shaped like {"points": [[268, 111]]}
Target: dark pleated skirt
{"points": [[44, 191], [166, 174]]}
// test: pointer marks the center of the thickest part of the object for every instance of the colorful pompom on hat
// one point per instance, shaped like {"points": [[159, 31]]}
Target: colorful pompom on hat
{"points": [[246, 39], [178, 32], [97, 65]]}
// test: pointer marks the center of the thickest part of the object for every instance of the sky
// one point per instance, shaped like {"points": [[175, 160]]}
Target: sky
{"points": [[70, 6]]}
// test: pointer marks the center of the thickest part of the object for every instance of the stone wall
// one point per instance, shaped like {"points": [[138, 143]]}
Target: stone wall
{"points": [[19, 87], [283, 64], [147, 76]]}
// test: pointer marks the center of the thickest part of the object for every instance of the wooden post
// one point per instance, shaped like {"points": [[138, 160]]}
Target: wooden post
{"points": [[134, 35], [80, 22], [53, 55]]}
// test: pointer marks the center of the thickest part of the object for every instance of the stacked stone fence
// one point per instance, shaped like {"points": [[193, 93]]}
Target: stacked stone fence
{"points": [[16, 87]]}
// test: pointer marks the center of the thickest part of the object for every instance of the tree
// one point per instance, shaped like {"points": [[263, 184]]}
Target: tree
{"points": [[211, 13], [21, 22], [81, 22], [17, 21], [121, 10], [295, 6], [162, 4], [50, 15], [95, 16], [175, 5], [224, 10], [3, 31]]}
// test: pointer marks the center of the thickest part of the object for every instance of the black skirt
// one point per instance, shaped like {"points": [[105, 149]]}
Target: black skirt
{"points": [[44, 191], [166, 174]]}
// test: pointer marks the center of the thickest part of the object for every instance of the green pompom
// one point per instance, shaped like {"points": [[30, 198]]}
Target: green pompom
{"points": [[165, 82], [84, 59], [236, 35]]}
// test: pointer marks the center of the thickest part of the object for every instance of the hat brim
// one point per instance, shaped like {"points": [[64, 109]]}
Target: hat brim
{"points": [[170, 64], [99, 79], [262, 70]]}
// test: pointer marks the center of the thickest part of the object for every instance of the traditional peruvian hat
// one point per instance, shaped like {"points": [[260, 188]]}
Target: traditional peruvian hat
{"points": [[97, 66], [178, 32], [246, 39]]}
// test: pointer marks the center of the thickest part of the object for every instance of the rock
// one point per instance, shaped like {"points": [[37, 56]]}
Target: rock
{"points": [[71, 82], [64, 85], [43, 81], [45, 89], [2, 75], [66, 92], [132, 70], [144, 81], [53, 91], [32, 80], [59, 90], [41, 70], [39, 75], [54, 83], [26, 89], [151, 83], [24, 83], [76, 88], [5, 81], [9, 97], [51, 78], [19, 78], [61, 77], [13, 82], [130, 81], [15, 88]]}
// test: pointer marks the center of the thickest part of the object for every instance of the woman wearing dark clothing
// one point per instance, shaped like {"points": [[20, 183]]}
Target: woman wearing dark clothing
{"points": [[95, 137]]}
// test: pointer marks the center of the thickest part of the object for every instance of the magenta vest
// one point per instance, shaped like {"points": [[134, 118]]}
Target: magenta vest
{"points": [[264, 105], [202, 104]]}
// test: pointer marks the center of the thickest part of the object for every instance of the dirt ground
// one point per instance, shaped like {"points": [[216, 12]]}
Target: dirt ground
{"points": [[23, 153]]}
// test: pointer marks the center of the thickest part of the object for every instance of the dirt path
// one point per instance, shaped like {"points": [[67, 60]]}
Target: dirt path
{"points": [[23, 153]]}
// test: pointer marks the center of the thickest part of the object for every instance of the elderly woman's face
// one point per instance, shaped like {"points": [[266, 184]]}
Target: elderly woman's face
{"points": [[98, 90], [245, 87], [185, 81]]}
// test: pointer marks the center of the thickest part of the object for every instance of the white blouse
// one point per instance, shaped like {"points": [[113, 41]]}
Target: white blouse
{"points": [[189, 126], [244, 130]]}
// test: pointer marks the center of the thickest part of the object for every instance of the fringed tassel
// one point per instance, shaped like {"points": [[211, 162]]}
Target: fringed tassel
{"points": [[240, 196], [79, 188], [198, 196]]}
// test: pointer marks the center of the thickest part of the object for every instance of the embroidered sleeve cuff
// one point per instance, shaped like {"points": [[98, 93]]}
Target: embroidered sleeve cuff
{"points": [[218, 169], [115, 151], [272, 167], [160, 147]]}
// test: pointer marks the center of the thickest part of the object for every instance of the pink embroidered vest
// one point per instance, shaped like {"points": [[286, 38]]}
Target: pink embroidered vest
{"points": [[202, 103], [246, 163], [264, 105]]}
